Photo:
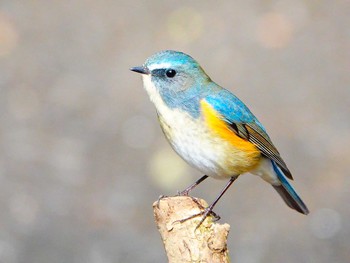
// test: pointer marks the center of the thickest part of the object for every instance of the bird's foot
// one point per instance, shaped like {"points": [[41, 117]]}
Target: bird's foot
{"points": [[204, 213], [183, 193], [160, 198]]}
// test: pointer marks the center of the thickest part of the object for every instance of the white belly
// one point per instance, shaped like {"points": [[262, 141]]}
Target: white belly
{"points": [[195, 144]]}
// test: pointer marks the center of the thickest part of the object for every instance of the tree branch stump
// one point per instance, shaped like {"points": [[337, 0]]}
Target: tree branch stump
{"points": [[182, 241]]}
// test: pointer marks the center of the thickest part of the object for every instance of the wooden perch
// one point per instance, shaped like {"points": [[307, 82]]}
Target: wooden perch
{"points": [[182, 241]]}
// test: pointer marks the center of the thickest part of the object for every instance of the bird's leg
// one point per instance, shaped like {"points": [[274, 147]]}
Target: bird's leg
{"points": [[209, 209], [192, 186], [186, 192]]}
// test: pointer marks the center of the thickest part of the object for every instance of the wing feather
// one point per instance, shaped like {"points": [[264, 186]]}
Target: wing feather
{"points": [[253, 133]]}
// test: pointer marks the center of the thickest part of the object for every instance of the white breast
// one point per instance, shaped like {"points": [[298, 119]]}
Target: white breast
{"points": [[189, 138]]}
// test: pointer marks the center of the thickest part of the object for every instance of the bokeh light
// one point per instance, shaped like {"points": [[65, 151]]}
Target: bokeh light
{"points": [[274, 30], [168, 171], [67, 155], [8, 35], [185, 25]]}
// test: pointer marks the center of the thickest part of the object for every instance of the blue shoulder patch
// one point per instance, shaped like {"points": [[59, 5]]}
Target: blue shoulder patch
{"points": [[232, 108]]}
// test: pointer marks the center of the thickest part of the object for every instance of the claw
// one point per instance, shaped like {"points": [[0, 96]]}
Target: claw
{"points": [[160, 198], [183, 193], [204, 213]]}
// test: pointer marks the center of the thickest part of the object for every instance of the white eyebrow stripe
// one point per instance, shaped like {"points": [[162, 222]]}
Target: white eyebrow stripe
{"points": [[159, 66]]}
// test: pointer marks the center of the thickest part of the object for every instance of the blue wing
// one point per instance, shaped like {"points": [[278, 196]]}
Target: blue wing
{"points": [[231, 107], [246, 125]]}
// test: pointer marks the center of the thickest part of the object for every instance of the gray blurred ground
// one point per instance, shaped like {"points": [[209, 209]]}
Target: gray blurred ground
{"points": [[82, 157]]}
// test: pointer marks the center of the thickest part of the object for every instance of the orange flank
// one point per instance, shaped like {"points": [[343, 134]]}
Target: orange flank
{"points": [[241, 148]]}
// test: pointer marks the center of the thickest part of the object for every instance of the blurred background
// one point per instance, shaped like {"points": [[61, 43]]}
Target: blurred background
{"points": [[82, 157]]}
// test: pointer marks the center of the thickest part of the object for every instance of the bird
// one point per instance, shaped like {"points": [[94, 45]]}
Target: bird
{"points": [[211, 128]]}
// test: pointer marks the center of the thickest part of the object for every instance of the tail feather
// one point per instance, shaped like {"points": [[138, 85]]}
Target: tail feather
{"points": [[288, 194]]}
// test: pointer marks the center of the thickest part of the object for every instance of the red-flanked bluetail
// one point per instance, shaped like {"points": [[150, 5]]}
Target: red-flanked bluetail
{"points": [[210, 128]]}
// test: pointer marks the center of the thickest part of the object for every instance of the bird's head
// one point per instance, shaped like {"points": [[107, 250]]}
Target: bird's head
{"points": [[173, 75]]}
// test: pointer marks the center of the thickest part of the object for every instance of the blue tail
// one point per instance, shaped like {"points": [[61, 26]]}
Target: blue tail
{"points": [[288, 194]]}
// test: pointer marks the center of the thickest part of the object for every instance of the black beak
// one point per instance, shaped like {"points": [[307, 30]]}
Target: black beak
{"points": [[141, 69]]}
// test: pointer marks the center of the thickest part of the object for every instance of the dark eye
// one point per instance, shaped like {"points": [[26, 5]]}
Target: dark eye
{"points": [[170, 73]]}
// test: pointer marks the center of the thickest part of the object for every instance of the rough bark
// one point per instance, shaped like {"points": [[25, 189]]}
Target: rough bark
{"points": [[182, 241]]}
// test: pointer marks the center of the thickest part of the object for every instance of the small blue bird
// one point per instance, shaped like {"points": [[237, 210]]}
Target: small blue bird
{"points": [[210, 128]]}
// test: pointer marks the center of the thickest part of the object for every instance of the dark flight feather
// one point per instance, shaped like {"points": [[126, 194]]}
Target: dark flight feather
{"points": [[254, 134]]}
